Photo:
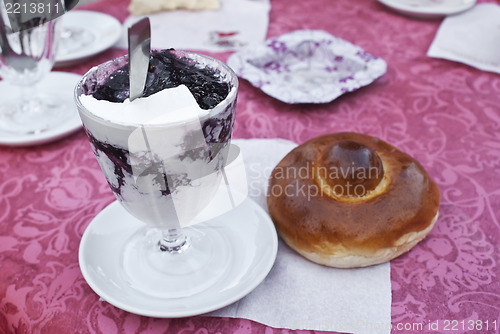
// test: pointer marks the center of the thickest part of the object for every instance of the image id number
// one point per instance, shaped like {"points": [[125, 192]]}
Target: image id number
{"points": [[477, 325], [31, 8]]}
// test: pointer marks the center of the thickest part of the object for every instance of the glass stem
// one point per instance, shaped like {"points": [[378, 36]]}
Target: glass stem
{"points": [[28, 103], [173, 241]]}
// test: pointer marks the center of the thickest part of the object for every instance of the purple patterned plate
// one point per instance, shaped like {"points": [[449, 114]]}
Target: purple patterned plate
{"points": [[307, 66]]}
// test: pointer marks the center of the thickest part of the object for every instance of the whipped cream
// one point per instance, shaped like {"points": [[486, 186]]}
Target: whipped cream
{"points": [[170, 105]]}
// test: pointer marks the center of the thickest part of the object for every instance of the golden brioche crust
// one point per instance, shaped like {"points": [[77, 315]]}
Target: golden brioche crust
{"points": [[316, 219], [340, 257]]}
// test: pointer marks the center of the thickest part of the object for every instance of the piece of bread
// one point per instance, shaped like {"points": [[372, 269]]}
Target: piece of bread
{"points": [[350, 200], [143, 7]]}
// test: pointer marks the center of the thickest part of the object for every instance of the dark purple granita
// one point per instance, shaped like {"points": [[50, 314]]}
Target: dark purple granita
{"points": [[166, 70]]}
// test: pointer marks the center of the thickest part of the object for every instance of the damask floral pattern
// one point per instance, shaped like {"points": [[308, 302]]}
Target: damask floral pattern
{"points": [[445, 114]]}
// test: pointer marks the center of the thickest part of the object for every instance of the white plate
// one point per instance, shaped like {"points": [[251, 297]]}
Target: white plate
{"points": [[55, 83], [253, 242], [428, 9], [97, 32]]}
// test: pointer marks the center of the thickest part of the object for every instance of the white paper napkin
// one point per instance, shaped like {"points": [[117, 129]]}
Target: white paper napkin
{"points": [[237, 24], [299, 294], [472, 38]]}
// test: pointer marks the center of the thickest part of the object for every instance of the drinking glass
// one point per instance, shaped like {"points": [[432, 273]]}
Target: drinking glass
{"points": [[26, 56], [165, 173]]}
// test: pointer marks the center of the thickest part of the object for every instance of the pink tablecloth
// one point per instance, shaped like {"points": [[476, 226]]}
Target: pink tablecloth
{"points": [[445, 114]]}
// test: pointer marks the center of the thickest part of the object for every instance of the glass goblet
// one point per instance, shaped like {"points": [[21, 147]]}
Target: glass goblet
{"points": [[26, 56], [165, 173]]}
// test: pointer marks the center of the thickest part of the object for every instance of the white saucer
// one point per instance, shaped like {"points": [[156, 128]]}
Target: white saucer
{"points": [[101, 31], [428, 9], [253, 244], [60, 84]]}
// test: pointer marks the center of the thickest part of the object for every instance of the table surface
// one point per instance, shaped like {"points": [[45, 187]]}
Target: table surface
{"points": [[445, 114]]}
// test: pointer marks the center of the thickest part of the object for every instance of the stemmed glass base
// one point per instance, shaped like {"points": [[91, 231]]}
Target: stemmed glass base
{"points": [[175, 263], [32, 112]]}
